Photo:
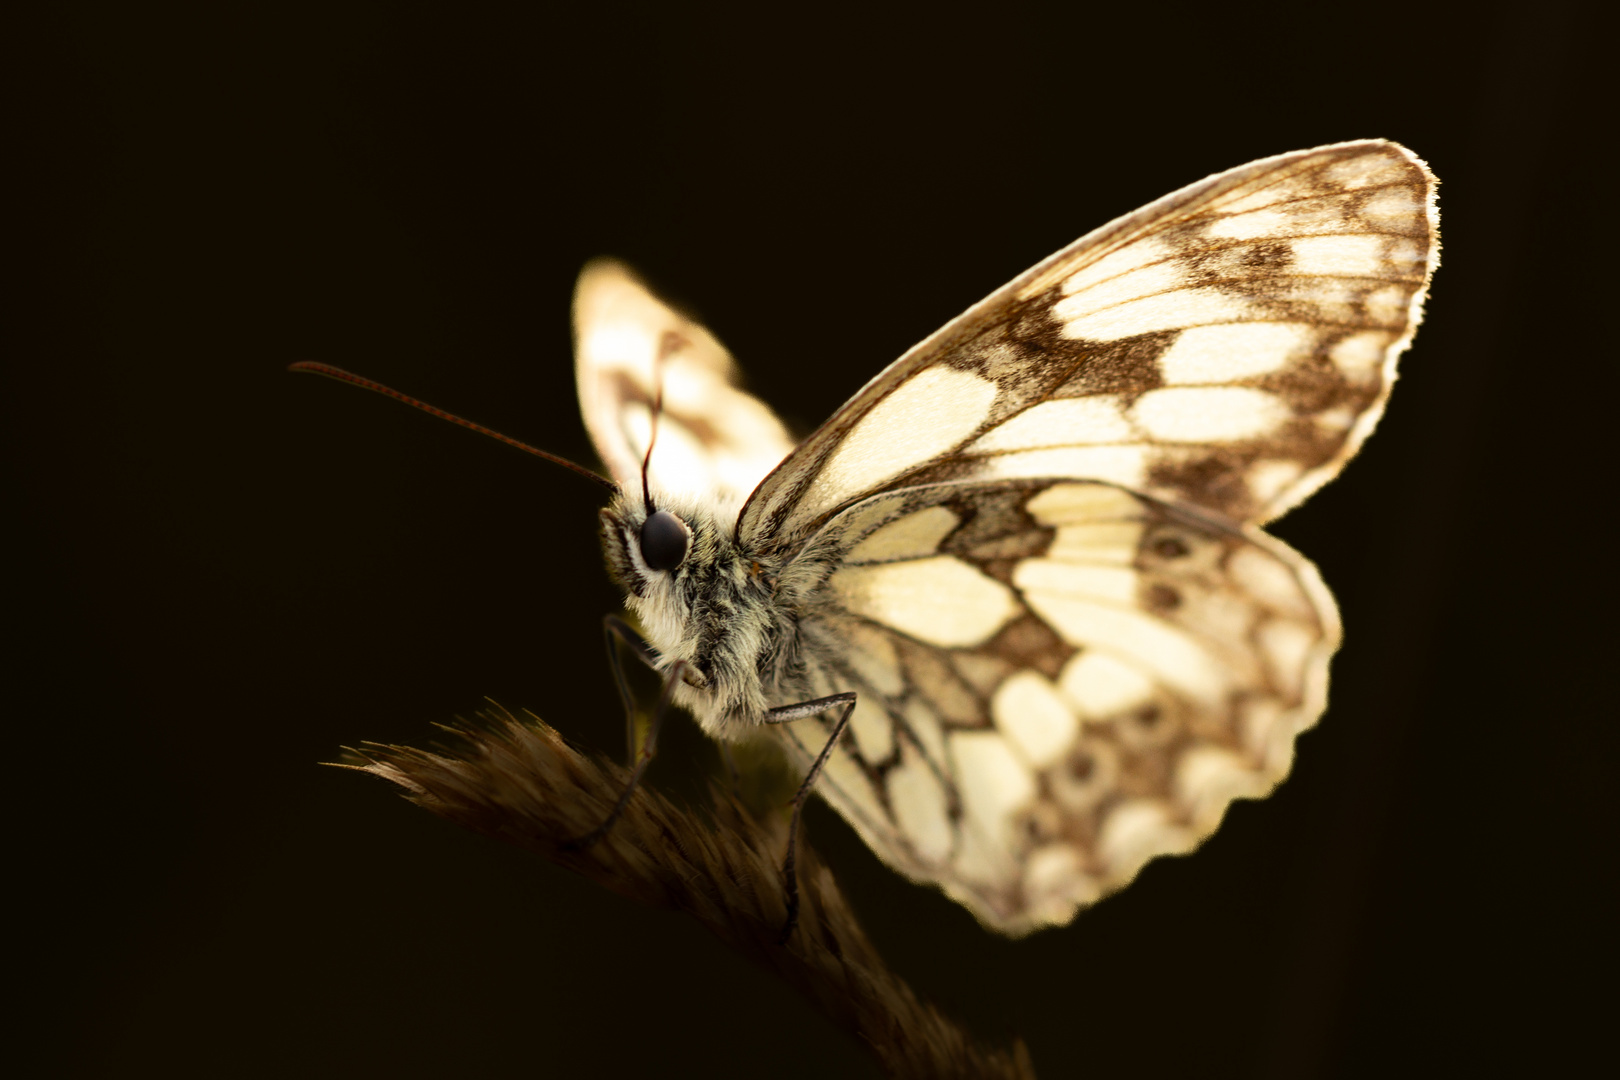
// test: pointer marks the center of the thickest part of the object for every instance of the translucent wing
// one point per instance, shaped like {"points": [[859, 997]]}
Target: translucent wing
{"points": [[713, 439], [1227, 347], [1057, 682]]}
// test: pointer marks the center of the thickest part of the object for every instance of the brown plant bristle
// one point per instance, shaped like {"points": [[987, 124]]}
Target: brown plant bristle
{"points": [[519, 781]]}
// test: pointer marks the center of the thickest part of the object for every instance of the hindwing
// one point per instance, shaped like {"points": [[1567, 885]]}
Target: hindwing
{"points": [[1057, 682]]}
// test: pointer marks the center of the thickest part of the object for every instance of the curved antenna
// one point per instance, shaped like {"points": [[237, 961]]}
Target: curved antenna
{"points": [[670, 342], [316, 368]]}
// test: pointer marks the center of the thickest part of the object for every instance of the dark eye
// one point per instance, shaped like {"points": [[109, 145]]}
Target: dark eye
{"points": [[663, 541]]}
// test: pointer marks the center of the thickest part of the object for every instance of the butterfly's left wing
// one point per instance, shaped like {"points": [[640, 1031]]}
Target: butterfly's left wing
{"points": [[1227, 347], [1057, 681], [714, 441]]}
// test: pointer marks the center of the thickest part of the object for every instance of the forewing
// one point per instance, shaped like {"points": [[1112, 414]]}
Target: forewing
{"points": [[1227, 347], [713, 439], [1057, 681]]}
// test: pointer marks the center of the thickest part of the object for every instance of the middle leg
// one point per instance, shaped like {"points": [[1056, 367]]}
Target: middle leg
{"points": [[786, 714]]}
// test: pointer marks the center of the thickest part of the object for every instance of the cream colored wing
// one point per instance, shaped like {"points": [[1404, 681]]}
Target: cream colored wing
{"points": [[713, 440], [1057, 682], [1227, 347]]}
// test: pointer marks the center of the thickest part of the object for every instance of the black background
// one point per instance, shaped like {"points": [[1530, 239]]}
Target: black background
{"points": [[224, 573]]}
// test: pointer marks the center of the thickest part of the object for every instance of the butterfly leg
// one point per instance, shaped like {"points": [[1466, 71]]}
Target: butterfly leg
{"points": [[648, 750], [617, 631], [782, 715]]}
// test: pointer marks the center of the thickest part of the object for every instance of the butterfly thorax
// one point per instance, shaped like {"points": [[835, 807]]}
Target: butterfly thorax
{"points": [[723, 611]]}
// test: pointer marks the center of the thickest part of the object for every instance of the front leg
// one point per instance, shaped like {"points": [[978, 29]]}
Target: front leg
{"points": [[782, 715], [617, 632], [641, 761]]}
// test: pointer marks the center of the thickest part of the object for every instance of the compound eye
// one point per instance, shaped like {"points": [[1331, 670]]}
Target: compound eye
{"points": [[663, 541]]}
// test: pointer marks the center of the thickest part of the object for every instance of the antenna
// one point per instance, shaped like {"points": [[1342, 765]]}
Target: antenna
{"points": [[669, 343], [316, 368]]}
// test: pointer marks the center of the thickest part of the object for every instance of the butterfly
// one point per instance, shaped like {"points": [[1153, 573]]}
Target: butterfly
{"points": [[1010, 609], [1030, 548]]}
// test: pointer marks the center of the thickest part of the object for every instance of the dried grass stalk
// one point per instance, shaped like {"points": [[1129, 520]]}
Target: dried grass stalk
{"points": [[517, 780]]}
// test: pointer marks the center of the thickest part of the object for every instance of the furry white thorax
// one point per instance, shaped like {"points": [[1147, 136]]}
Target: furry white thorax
{"points": [[730, 613]]}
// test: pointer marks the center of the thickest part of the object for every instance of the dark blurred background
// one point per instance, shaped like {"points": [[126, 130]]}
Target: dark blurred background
{"points": [[223, 573]]}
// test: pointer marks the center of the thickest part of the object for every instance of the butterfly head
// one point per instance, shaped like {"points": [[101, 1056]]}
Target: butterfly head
{"points": [[681, 569], [651, 546]]}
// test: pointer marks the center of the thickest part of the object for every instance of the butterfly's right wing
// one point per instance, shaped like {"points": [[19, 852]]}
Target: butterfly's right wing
{"points": [[1227, 347], [1057, 681], [714, 441]]}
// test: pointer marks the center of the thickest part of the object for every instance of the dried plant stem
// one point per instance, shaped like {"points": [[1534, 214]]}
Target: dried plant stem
{"points": [[517, 780]]}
